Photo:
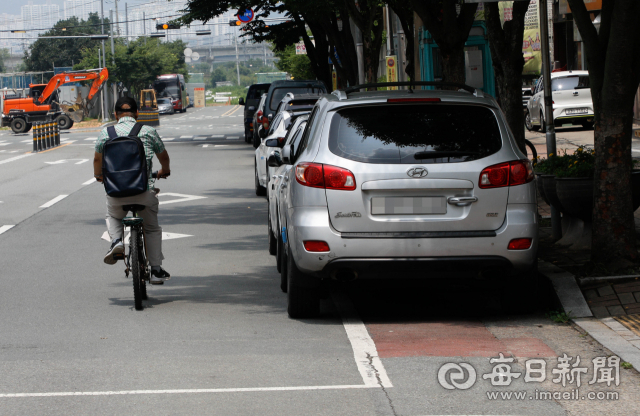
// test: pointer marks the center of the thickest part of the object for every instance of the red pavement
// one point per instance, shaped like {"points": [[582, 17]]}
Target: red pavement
{"points": [[450, 339]]}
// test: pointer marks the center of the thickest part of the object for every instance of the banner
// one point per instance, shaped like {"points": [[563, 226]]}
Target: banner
{"points": [[531, 47], [198, 97], [392, 70], [563, 6]]}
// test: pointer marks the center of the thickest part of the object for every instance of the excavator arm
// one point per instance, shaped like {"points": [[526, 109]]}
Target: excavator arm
{"points": [[60, 79]]}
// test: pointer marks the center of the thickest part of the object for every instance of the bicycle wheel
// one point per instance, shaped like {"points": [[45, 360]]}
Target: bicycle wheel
{"points": [[136, 270], [143, 269], [533, 150]]}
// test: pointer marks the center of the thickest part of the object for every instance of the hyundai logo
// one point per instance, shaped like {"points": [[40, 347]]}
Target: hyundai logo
{"points": [[417, 172]]}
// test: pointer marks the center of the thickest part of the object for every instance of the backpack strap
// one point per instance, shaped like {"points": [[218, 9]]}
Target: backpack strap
{"points": [[111, 130], [135, 130]]}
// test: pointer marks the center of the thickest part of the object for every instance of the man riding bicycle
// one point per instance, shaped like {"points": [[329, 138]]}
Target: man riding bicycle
{"points": [[126, 111]]}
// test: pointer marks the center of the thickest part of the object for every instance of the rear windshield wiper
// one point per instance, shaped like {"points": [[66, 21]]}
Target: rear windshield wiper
{"points": [[436, 154]]}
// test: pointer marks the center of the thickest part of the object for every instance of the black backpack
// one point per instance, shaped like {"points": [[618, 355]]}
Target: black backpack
{"points": [[124, 164]]}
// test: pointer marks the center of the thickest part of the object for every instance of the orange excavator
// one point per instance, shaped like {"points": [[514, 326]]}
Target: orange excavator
{"points": [[41, 103]]}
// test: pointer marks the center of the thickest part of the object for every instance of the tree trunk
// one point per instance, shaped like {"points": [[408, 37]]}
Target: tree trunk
{"points": [[453, 64], [505, 44]]}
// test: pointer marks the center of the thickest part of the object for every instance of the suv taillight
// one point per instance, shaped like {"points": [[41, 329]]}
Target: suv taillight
{"points": [[259, 116], [316, 175], [513, 173]]}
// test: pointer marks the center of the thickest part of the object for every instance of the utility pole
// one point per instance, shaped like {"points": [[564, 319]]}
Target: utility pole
{"points": [[237, 62], [117, 19], [126, 21], [144, 27], [113, 56], [556, 225], [104, 96], [101, 92]]}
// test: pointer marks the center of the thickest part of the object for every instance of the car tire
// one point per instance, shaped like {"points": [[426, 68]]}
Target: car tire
{"points": [[18, 125], [283, 266], [273, 243], [520, 292], [279, 253], [303, 296], [588, 125], [260, 190], [528, 124], [64, 122]]}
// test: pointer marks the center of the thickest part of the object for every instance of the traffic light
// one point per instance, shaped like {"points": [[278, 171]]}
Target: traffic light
{"points": [[235, 22], [165, 26]]}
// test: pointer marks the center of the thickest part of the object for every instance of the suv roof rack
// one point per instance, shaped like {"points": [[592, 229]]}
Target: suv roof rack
{"points": [[342, 94]]}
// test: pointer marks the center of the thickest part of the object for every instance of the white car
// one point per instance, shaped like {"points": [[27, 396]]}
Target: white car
{"points": [[276, 197], [277, 130], [572, 102]]}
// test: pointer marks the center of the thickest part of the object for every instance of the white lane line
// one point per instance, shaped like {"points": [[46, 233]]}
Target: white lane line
{"points": [[81, 162], [89, 182], [5, 144], [200, 138], [205, 145], [233, 138], [186, 137], [15, 158], [182, 391], [53, 201], [6, 228], [27, 141], [364, 349], [217, 136], [91, 138], [220, 145], [168, 139]]}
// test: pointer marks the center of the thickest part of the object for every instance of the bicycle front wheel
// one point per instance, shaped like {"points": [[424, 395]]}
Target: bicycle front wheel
{"points": [[136, 271]]}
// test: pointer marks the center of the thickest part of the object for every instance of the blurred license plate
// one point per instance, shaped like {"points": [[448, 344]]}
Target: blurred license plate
{"points": [[577, 111], [408, 205]]}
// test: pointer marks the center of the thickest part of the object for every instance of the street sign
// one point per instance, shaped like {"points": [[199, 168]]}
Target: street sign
{"points": [[301, 49], [245, 16], [195, 56], [392, 70], [188, 52]]}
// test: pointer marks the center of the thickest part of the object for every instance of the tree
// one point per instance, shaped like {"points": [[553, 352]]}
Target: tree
{"points": [[44, 54], [403, 10], [613, 58], [4, 55], [298, 66], [218, 75], [138, 64], [367, 16], [505, 44], [449, 30]]}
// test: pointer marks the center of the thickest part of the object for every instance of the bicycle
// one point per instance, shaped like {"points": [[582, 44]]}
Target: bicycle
{"points": [[136, 260], [534, 153]]}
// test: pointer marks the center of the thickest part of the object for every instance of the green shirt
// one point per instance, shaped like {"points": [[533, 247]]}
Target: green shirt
{"points": [[149, 136]]}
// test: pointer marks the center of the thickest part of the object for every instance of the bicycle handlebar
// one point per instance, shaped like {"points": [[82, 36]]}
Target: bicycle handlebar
{"points": [[154, 175]]}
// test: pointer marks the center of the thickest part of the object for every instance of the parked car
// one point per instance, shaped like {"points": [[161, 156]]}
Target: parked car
{"points": [[165, 106], [572, 102], [526, 95], [289, 109], [257, 121], [421, 183], [190, 101], [276, 195], [250, 104], [279, 89]]}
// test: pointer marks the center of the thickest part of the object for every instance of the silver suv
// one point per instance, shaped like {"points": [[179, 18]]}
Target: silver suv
{"points": [[408, 183]]}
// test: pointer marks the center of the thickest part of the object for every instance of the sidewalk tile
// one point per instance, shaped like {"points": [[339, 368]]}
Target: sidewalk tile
{"points": [[626, 298], [625, 288], [600, 311], [605, 291], [616, 310], [590, 294], [593, 304]]}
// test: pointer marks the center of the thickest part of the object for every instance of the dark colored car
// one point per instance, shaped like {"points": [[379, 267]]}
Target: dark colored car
{"points": [[250, 105], [279, 89], [257, 122]]}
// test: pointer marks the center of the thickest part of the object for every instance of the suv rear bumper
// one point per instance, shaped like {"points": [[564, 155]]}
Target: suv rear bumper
{"points": [[464, 253]]}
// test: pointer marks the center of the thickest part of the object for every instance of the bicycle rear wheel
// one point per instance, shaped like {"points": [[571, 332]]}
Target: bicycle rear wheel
{"points": [[143, 270], [531, 149], [136, 271]]}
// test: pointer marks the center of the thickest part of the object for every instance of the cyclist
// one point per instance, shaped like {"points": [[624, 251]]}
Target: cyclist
{"points": [[126, 110]]}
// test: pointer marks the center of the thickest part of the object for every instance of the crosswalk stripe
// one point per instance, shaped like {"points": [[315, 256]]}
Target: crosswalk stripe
{"points": [[186, 137]]}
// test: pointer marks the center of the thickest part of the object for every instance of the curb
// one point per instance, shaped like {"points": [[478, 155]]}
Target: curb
{"points": [[574, 303]]}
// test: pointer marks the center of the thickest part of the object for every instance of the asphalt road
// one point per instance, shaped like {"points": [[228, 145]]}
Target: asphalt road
{"points": [[216, 338]]}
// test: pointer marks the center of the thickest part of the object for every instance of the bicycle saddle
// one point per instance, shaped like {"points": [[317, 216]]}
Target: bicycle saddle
{"points": [[133, 208]]}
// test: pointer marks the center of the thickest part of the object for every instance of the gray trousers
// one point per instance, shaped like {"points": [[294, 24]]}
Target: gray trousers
{"points": [[151, 228]]}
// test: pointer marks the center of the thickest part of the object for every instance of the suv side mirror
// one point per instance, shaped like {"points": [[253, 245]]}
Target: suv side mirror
{"points": [[240, 101], [270, 117], [286, 155], [271, 143], [274, 160]]}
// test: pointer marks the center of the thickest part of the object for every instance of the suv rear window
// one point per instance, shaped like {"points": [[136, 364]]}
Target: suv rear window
{"points": [[255, 91], [407, 134], [574, 82], [278, 93]]}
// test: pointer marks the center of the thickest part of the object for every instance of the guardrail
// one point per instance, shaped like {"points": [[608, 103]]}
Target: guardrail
{"points": [[46, 134]]}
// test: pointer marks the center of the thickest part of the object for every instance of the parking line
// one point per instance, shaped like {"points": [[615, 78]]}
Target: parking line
{"points": [[89, 182], [15, 158], [6, 228], [53, 201]]}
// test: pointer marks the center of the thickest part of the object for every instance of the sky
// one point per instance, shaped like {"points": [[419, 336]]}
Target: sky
{"points": [[13, 6]]}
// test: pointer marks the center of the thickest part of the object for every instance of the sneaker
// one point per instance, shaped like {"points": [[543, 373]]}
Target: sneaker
{"points": [[158, 276], [116, 248]]}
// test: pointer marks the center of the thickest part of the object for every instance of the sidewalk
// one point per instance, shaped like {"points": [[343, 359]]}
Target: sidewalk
{"points": [[606, 307]]}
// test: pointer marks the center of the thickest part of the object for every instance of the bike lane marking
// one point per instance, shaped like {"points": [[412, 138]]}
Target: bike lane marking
{"points": [[16, 158], [53, 201], [5, 228]]}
